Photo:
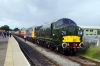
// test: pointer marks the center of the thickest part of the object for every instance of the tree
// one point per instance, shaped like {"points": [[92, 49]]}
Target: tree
{"points": [[11, 29], [16, 29], [5, 27]]}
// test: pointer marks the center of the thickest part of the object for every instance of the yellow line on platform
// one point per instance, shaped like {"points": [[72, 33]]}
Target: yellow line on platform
{"points": [[9, 56]]}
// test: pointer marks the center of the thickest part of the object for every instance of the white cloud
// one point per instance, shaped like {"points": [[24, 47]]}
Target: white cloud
{"points": [[27, 13]]}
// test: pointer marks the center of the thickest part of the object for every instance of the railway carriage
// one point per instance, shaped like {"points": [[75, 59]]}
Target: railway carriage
{"points": [[22, 32], [16, 33], [30, 33]]}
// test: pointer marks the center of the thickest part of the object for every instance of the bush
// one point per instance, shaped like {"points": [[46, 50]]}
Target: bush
{"points": [[92, 52]]}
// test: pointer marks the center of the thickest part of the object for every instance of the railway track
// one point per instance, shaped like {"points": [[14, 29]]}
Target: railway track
{"points": [[25, 53], [97, 63], [83, 61], [27, 56], [34, 58]]}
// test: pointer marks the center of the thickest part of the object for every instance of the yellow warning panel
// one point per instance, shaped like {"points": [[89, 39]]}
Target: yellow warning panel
{"points": [[71, 39]]}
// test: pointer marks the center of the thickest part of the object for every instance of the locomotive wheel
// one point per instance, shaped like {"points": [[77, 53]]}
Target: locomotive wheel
{"points": [[57, 49], [52, 46], [62, 50], [44, 44], [71, 51], [74, 52], [48, 46]]}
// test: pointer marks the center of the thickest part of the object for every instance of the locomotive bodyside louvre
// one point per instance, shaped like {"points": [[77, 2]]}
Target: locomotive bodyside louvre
{"points": [[43, 31]]}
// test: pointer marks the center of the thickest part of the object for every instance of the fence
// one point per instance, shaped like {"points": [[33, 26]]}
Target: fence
{"points": [[92, 40]]}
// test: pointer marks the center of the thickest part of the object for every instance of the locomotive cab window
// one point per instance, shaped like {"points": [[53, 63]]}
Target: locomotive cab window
{"points": [[72, 30], [80, 32], [63, 32]]}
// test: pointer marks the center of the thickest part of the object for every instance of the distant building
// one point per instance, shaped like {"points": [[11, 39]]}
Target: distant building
{"points": [[91, 30], [1, 30]]}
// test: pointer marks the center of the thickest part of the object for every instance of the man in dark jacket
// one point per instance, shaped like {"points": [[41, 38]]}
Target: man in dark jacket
{"points": [[7, 33], [10, 34], [4, 34]]}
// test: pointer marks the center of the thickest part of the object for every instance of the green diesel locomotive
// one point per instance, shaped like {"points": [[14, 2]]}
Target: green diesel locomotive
{"points": [[62, 36]]}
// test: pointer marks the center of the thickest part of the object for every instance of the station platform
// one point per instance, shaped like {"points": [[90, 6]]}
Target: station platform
{"points": [[14, 55]]}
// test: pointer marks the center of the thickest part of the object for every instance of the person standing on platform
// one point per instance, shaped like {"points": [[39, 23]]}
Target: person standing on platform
{"points": [[25, 38], [4, 34], [10, 33], [7, 33]]}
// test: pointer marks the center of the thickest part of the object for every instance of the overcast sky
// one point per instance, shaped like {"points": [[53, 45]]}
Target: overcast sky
{"points": [[27, 13]]}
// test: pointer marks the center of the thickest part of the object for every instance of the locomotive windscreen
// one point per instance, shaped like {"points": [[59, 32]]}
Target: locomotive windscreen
{"points": [[72, 23], [59, 22], [65, 21]]}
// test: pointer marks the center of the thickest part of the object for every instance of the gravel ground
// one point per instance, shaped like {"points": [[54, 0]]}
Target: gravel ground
{"points": [[3, 49], [61, 61]]}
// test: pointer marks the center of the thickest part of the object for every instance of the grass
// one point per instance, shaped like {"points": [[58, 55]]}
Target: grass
{"points": [[92, 52]]}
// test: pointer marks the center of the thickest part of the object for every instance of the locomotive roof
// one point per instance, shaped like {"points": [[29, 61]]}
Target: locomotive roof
{"points": [[64, 21]]}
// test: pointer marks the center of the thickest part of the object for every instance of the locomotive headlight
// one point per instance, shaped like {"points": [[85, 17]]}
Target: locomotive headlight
{"points": [[81, 45], [64, 45]]}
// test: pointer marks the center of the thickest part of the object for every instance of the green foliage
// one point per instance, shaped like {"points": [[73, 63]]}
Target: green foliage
{"points": [[16, 29], [11, 29], [5, 27], [92, 52]]}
